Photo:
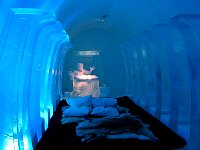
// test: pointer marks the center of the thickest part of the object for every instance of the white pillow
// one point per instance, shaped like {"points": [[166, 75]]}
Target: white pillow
{"points": [[80, 101], [77, 111], [105, 111], [104, 102]]}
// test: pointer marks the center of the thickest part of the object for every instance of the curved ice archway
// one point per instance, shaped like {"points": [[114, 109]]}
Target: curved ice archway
{"points": [[11, 88]]}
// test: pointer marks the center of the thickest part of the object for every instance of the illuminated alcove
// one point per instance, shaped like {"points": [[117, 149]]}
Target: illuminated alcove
{"points": [[102, 47], [146, 47]]}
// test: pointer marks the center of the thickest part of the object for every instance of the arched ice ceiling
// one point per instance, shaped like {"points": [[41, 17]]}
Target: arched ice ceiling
{"points": [[123, 18]]}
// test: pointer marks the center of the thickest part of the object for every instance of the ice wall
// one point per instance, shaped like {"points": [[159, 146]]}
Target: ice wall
{"points": [[163, 74], [32, 51], [161, 65]]}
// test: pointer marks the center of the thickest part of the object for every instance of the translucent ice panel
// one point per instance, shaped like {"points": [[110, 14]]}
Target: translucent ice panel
{"points": [[33, 46]]}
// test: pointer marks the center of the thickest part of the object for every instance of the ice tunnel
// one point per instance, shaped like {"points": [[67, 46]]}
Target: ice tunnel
{"points": [[147, 50]]}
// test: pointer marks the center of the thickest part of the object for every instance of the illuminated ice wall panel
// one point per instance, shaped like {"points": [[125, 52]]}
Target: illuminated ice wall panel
{"points": [[33, 47], [189, 27], [164, 74]]}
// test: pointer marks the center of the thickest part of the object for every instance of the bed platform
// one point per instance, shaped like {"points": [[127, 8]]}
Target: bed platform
{"points": [[62, 134]]}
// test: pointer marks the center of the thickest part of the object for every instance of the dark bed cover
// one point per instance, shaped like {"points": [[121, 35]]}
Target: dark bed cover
{"points": [[63, 136]]}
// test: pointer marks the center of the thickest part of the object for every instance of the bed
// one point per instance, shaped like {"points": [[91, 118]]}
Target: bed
{"points": [[120, 122]]}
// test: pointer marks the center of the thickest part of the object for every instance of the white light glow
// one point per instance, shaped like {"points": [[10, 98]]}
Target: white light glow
{"points": [[9, 145], [26, 143], [89, 53]]}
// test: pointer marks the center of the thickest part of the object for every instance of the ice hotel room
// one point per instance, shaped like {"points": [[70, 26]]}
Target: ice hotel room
{"points": [[100, 72]]}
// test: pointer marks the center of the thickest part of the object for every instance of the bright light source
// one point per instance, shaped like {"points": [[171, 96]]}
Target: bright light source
{"points": [[89, 53]]}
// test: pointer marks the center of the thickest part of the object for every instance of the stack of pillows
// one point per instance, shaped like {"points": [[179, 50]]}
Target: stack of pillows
{"points": [[88, 105]]}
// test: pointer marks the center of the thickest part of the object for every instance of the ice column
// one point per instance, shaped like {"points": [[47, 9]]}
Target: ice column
{"points": [[33, 45]]}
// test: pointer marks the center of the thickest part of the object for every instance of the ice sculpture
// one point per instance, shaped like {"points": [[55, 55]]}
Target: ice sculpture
{"points": [[85, 85]]}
